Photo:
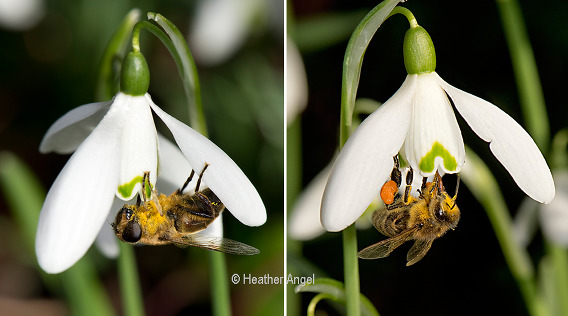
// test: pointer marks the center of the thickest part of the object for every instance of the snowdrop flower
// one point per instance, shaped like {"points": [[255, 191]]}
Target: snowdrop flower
{"points": [[21, 15], [419, 123], [115, 142], [220, 28], [553, 217], [296, 82]]}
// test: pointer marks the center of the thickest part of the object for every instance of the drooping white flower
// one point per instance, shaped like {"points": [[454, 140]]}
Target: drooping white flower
{"points": [[553, 217], [220, 27], [21, 15], [296, 82], [418, 122], [116, 143]]}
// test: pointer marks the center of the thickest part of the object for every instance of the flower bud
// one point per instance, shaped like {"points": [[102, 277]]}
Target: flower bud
{"points": [[135, 75], [418, 50]]}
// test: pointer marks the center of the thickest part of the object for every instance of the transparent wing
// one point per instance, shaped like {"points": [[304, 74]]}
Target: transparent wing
{"points": [[383, 248], [215, 243], [418, 251]]}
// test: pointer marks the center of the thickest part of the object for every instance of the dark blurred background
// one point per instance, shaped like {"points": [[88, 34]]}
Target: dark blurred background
{"points": [[50, 66], [465, 272]]}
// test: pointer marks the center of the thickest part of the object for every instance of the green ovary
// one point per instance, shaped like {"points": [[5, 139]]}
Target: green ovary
{"points": [[427, 162], [126, 189]]}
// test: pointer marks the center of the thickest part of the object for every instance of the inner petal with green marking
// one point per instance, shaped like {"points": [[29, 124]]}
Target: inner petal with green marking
{"points": [[427, 163], [125, 190]]}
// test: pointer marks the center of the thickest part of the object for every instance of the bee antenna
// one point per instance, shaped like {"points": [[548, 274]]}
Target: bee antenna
{"points": [[200, 176]]}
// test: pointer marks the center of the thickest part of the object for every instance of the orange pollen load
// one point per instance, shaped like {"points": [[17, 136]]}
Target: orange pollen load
{"points": [[388, 191]]}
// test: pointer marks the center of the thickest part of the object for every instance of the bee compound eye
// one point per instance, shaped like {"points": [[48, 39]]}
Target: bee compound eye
{"points": [[440, 213], [132, 232]]}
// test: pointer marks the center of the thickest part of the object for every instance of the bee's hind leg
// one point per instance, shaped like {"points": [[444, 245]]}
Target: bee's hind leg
{"points": [[408, 188], [200, 176], [179, 191], [395, 177]]}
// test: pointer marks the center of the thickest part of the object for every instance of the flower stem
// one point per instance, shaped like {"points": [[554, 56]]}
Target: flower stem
{"points": [[293, 184], [407, 13], [106, 84], [177, 46], [219, 284], [526, 73], [187, 70], [351, 270], [316, 300], [353, 61], [352, 64], [129, 283]]}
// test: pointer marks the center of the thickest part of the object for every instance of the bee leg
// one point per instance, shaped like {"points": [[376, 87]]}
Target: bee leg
{"points": [[457, 187], [200, 176], [179, 191], [456, 192], [395, 177], [395, 174], [409, 177], [423, 187]]}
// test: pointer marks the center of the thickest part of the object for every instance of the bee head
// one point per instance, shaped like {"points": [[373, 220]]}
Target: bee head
{"points": [[446, 210], [126, 226]]}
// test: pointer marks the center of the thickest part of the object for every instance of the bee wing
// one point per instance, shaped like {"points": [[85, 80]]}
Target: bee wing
{"points": [[385, 247], [418, 251], [215, 243]]}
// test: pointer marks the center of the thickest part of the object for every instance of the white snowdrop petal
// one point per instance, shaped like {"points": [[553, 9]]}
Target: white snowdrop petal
{"points": [[525, 222], [106, 241], [70, 130], [215, 229], [21, 15], [222, 176], [79, 200], [509, 142], [139, 143], [173, 169], [434, 138], [296, 82], [304, 222], [366, 160], [554, 216], [219, 29]]}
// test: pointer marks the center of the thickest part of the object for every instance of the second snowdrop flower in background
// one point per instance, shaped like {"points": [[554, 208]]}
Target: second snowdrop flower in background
{"points": [[115, 143], [418, 122]]}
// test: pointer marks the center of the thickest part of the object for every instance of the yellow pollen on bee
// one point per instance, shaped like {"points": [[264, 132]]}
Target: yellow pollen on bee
{"points": [[150, 217]]}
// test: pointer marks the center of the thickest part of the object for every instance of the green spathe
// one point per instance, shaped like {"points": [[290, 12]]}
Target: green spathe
{"points": [[418, 50], [427, 162], [135, 75]]}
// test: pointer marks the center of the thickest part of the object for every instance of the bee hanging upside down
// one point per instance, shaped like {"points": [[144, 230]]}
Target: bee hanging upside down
{"points": [[175, 219], [405, 218]]}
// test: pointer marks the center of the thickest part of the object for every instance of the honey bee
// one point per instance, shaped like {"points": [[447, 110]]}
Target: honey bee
{"points": [[174, 219], [405, 218]]}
